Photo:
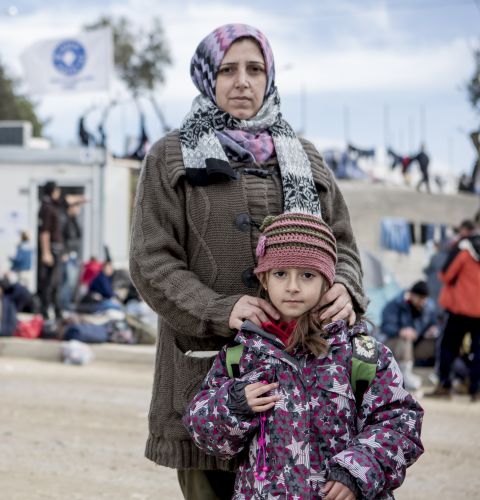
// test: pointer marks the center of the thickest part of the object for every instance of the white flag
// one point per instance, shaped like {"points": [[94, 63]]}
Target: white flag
{"points": [[73, 64]]}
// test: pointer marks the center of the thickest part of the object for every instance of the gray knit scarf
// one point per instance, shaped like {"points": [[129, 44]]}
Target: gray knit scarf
{"points": [[206, 162]]}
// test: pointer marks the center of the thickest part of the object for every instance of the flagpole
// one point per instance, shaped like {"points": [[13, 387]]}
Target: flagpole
{"points": [[104, 153], [102, 180], [101, 222]]}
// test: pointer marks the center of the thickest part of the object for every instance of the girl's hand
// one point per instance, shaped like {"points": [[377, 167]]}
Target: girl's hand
{"points": [[253, 394], [252, 308], [334, 490], [340, 304]]}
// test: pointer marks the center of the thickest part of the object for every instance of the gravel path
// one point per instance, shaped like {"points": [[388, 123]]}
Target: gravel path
{"points": [[70, 432]]}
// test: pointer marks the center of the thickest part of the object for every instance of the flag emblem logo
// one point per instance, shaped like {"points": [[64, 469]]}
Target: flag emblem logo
{"points": [[75, 63], [69, 57]]}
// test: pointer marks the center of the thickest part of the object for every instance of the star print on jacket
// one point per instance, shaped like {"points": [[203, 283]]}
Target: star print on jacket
{"points": [[314, 433]]}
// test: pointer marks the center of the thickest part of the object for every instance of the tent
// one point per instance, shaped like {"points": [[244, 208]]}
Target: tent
{"points": [[379, 283]]}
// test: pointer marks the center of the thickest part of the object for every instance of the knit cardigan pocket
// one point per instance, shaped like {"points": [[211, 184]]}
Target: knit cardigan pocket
{"points": [[189, 372]]}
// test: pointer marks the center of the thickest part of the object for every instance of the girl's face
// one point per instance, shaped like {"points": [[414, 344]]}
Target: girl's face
{"points": [[241, 80], [294, 291]]}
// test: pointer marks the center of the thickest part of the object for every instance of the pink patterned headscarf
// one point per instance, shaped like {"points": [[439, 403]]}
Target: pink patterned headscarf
{"points": [[256, 146], [210, 137], [212, 49]]}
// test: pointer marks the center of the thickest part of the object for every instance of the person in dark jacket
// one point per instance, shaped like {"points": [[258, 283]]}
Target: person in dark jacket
{"points": [[8, 314], [20, 295], [406, 319], [431, 271], [423, 162], [102, 283], [100, 295], [50, 248], [72, 240], [466, 230]]}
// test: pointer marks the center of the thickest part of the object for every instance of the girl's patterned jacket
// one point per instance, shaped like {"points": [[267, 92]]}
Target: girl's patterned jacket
{"points": [[314, 433]]}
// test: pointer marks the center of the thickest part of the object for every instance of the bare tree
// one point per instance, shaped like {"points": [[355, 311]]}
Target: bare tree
{"points": [[473, 86], [141, 57], [473, 89]]}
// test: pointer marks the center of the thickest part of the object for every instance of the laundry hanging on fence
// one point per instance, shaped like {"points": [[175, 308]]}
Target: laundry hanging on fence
{"points": [[443, 232], [395, 235], [413, 238], [427, 233]]}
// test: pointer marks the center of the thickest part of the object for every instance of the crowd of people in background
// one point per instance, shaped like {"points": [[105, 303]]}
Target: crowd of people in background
{"points": [[75, 299], [437, 321], [434, 322], [459, 299]]}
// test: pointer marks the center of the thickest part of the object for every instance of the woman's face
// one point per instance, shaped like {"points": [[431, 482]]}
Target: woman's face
{"points": [[241, 80]]}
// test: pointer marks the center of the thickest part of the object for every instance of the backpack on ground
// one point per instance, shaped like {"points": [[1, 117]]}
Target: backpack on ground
{"points": [[364, 364]]}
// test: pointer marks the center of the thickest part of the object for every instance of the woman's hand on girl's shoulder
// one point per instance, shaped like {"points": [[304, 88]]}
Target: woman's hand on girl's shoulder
{"points": [[255, 309], [255, 399], [340, 305], [335, 490]]}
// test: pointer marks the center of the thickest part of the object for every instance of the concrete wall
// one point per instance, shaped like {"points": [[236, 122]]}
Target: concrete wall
{"points": [[117, 213], [369, 203]]}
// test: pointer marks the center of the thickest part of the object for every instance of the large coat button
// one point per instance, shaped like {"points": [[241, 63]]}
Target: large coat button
{"points": [[249, 278], [243, 222]]}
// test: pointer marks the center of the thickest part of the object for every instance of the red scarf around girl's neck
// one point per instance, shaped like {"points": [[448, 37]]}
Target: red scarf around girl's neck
{"points": [[280, 329]]}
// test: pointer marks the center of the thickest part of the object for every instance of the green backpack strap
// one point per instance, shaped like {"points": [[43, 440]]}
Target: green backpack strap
{"points": [[364, 365], [234, 353]]}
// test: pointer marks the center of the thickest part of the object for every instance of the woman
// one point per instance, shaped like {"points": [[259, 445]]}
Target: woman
{"points": [[202, 195]]}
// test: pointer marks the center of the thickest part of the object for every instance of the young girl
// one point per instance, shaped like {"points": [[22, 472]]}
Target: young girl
{"points": [[290, 406]]}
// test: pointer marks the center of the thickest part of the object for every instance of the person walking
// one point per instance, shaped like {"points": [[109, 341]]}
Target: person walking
{"points": [[290, 411], [423, 161]]}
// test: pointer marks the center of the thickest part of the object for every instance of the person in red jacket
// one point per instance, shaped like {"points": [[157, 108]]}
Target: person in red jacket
{"points": [[460, 297]]}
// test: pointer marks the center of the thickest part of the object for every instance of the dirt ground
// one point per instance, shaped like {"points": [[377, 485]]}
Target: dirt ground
{"points": [[69, 432]]}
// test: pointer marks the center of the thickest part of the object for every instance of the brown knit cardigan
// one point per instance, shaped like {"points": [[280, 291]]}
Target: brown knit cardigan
{"points": [[191, 258]]}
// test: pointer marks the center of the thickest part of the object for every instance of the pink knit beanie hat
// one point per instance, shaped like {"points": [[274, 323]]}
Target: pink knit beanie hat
{"points": [[297, 240]]}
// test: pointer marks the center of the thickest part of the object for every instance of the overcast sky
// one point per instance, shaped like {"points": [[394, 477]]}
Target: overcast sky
{"points": [[372, 72]]}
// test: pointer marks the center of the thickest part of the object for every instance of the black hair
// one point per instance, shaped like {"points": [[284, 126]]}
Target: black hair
{"points": [[49, 187], [420, 288]]}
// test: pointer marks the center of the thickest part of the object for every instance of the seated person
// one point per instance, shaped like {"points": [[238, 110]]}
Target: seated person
{"points": [[23, 300], [22, 261], [102, 283], [406, 320], [8, 314], [101, 295]]}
